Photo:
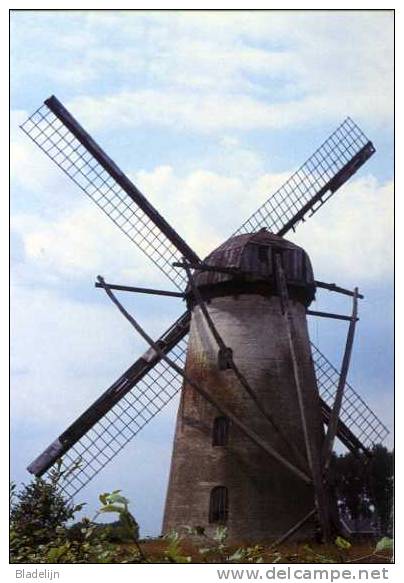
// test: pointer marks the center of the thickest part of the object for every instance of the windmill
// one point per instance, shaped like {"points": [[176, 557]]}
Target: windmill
{"points": [[250, 448]]}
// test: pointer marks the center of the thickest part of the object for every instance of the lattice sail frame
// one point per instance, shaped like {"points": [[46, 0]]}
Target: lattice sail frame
{"points": [[332, 164], [355, 413], [76, 154], [101, 444]]}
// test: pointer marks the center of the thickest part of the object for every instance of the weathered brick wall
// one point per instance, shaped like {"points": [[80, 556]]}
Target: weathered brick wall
{"points": [[265, 499]]}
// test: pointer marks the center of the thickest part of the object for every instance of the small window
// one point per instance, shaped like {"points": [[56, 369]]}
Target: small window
{"points": [[263, 253], [219, 504], [225, 358], [220, 432]]}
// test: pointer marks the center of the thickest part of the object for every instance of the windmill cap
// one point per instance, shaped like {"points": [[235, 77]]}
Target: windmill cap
{"points": [[253, 254]]}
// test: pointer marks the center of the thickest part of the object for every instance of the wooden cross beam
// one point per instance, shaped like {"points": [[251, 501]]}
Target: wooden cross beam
{"points": [[202, 266], [143, 290], [329, 315], [336, 288]]}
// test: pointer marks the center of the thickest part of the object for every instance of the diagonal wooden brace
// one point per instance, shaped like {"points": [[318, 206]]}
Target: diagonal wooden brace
{"points": [[254, 437], [225, 357], [312, 455], [334, 418], [293, 529]]}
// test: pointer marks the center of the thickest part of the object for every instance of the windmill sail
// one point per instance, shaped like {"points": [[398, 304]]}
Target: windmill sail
{"points": [[365, 428], [63, 139], [331, 165], [133, 401], [119, 413]]}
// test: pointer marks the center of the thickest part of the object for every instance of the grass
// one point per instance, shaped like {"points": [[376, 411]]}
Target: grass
{"points": [[288, 553]]}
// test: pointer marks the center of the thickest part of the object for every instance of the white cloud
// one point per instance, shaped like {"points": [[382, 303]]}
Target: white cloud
{"points": [[63, 354], [79, 245], [209, 72], [206, 207], [203, 206], [30, 169], [351, 237], [215, 112]]}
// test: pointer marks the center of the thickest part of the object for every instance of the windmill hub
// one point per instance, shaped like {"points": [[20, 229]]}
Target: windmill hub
{"points": [[253, 254]]}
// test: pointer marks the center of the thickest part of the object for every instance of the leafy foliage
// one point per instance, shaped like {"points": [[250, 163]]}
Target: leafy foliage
{"points": [[126, 529], [218, 550], [343, 544], [364, 486], [41, 533], [37, 514], [384, 544], [173, 552], [380, 486]]}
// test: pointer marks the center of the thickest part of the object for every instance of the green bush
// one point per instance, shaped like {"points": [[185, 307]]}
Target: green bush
{"points": [[39, 531], [38, 515]]}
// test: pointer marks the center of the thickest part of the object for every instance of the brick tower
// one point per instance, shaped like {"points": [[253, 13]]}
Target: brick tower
{"points": [[218, 476]]}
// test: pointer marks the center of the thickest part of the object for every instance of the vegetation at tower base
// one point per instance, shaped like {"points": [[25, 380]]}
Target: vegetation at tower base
{"points": [[41, 529]]}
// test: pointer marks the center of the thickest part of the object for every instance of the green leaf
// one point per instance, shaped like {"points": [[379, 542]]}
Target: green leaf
{"points": [[220, 534], [79, 507], [117, 498], [238, 555], [342, 543], [172, 536], [112, 508], [56, 553], [384, 544], [181, 559], [103, 498]]}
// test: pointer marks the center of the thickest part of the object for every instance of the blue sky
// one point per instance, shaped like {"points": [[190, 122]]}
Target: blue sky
{"points": [[208, 113]]}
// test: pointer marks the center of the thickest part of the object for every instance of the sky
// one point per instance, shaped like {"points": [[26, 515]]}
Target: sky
{"points": [[208, 113]]}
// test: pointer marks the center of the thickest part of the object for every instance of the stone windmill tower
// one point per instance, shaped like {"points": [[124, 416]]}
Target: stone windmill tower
{"points": [[250, 448], [216, 466]]}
